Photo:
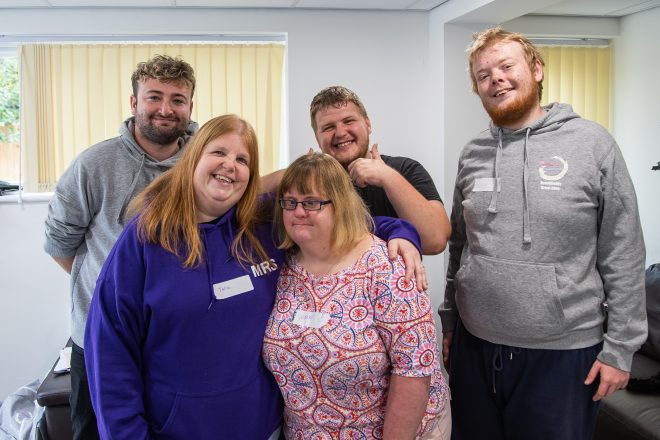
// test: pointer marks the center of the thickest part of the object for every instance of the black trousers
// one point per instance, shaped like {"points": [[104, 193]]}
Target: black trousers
{"points": [[83, 420], [501, 392]]}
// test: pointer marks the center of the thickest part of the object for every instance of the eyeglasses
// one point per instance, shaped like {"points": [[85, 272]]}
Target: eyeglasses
{"points": [[308, 205]]}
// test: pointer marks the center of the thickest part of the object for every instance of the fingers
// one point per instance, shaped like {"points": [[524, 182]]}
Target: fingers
{"points": [[593, 373], [421, 278], [375, 154], [355, 174], [604, 390], [409, 262], [310, 151], [611, 379], [446, 346]]}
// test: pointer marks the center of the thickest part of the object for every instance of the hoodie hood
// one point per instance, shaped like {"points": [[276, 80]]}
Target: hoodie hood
{"points": [[556, 114]]}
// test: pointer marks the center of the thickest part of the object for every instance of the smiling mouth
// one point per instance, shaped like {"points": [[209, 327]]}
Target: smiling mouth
{"points": [[224, 179], [343, 144], [502, 92]]}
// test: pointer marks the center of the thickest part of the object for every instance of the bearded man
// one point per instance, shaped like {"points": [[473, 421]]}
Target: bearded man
{"points": [[86, 212], [546, 241]]}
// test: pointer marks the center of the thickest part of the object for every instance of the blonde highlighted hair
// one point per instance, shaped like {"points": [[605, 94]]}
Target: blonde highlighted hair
{"points": [[165, 69], [167, 209], [321, 173], [486, 38]]}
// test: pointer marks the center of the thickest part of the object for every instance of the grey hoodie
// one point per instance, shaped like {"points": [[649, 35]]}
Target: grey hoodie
{"points": [[531, 264], [85, 214]]}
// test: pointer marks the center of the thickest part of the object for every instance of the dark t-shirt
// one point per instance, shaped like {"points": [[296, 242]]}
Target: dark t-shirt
{"points": [[413, 172]]}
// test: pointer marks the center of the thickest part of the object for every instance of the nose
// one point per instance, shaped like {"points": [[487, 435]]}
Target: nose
{"points": [[299, 211], [495, 77], [229, 163], [165, 107], [340, 130]]}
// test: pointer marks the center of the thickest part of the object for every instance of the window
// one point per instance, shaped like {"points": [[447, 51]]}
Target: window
{"points": [[74, 95], [580, 76], [9, 119]]}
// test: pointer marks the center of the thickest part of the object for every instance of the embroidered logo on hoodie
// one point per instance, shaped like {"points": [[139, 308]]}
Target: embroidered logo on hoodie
{"points": [[551, 171]]}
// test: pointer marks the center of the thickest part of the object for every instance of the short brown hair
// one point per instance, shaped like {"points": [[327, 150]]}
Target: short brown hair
{"points": [[335, 96], [486, 38], [164, 69], [322, 173]]}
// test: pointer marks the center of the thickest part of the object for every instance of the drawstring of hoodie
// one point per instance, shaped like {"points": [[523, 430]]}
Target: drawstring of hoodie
{"points": [[209, 268], [492, 208], [228, 239], [127, 197], [527, 235]]}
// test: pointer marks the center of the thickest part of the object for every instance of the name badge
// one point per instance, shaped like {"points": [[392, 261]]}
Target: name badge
{"points": [[482, 184], [234, 287], [311, 319]]}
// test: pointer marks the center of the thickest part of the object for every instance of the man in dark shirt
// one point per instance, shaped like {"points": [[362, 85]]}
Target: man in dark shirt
{"points": [[392, 186]]}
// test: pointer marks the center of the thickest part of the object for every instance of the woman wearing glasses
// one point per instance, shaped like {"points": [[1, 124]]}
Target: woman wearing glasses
{"points": [[176, 323], [351, 343]]}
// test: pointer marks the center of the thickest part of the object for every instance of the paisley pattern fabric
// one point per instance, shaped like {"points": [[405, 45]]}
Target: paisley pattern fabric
{"points": [[334, 378]]}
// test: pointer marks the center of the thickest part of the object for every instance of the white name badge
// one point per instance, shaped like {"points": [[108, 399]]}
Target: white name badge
{"points": [[234, 287], [311, 319], [485, 184]]}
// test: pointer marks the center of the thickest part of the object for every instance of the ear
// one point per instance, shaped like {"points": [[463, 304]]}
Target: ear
{"points": [[133, 104], [538, 71], [368, 122]]}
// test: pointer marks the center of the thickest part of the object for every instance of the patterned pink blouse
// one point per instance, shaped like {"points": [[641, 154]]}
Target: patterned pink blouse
{"points": [[366, 323]]}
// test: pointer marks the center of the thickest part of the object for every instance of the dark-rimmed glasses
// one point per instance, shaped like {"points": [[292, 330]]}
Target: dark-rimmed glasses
{"points": [[308, 205]]}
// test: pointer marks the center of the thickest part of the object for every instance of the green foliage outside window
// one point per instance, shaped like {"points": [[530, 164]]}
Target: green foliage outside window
{"points": [[9, 102]]}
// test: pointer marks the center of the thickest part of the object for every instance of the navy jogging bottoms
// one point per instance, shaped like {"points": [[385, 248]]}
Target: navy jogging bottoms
{"points": [[509, 393]]}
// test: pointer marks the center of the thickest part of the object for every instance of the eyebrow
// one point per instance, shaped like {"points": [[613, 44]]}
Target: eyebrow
{"points": [[158, 92]]}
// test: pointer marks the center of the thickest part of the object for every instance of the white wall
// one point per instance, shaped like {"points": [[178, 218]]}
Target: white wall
{"points": [[409, 68], [383, 56], [637, 115], [34, 298]]}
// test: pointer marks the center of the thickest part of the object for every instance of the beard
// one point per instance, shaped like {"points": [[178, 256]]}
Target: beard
{"points": [[512, 113], [345, 161], [160, 135]]}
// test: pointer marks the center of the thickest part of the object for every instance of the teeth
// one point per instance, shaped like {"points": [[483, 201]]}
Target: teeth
{"points": [[223, 178], [501, 92], [343, 144]]}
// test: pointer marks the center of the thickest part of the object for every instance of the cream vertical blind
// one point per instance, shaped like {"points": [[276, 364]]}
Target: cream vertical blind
{"points": [[75, 95], [580, 76]]}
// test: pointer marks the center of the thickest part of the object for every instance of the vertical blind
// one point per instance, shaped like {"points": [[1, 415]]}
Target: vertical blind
{"points": [[75, 95], [580, 76]]}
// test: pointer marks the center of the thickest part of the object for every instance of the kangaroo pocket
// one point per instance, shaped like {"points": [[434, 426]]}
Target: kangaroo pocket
{"points": [[229, 414], [507, 301]]}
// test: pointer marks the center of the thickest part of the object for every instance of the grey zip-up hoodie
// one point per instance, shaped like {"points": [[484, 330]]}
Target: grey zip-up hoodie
{"points": [[85, 214], [531, 263]]}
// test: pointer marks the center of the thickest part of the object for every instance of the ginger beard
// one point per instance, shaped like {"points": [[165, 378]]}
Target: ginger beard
{"points": [[508, 114]]}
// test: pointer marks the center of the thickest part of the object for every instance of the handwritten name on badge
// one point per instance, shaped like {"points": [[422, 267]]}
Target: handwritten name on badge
{"points": [[234, 287], [304, 318]]}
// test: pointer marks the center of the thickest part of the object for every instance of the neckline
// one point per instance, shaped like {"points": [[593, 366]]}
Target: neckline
{"points": [[342, 271]]}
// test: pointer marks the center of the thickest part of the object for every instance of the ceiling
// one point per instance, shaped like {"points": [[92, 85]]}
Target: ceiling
{"points": [[598, 8]]}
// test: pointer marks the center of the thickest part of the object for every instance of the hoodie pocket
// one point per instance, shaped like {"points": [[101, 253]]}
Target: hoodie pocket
{"points": [[513, 301], [224, 414]]}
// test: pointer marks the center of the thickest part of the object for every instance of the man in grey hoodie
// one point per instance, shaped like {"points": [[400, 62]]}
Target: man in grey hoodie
{"points": [[545, 233], [86, 212]]}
